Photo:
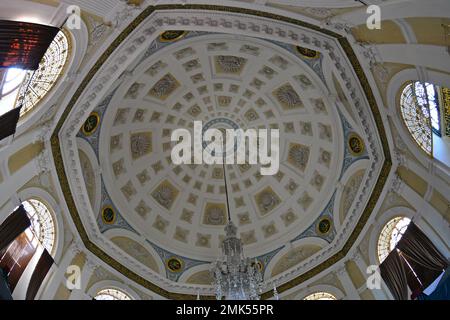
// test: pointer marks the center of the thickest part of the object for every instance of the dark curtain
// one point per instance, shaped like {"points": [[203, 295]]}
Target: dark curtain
{"points": [[393, 272], [43, 266], [442, 291], [23, 44], [425, 275], [8, 123], [419, 250], [5, 291], [13, 226], [16, 258], [413, 283]]}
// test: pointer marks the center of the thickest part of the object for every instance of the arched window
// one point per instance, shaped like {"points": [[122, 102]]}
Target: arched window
{"points": [[419, 104], [42, 223], [390, 235], [29, 87], [320, 296], [111, 294], [11, 83]]}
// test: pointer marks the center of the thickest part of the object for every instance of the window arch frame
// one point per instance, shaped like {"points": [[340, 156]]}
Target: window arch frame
{"points": [[403, 139], [392, 223], [332, 290], [410, 213], [325, 294], [114, 293], [407, 105], [432, 114], [112, 284], [45, 197], [36, 216], [79, 42], [380, 222], [56, 80]]}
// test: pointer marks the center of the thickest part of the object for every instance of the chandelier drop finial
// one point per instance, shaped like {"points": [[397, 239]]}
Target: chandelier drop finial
{"points": [[235, 277]]}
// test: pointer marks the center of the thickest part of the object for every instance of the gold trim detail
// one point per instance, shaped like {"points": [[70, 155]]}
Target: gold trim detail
{"points": [[307, 53], [172, 35], [259, 265], [173, 268], [59, 162], [108, 220], [89, 132], [355, 144], [324, 223]]}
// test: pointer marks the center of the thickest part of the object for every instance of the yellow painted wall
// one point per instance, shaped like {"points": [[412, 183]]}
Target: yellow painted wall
{"points": [[53, 3], [441, 204], [367, 295], [390, 32], [79, 260], [137, 251], [429, 30], [24, 156], [413, 180], [62, 293], [355, 274], [202, 278]]}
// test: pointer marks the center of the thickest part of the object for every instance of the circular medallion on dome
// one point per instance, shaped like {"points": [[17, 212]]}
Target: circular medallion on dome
{"points": [[308, 53], [356, 144], [258, 265], [174, 264], [91, 124], [324, 226], [108, 215], [172, 35]]}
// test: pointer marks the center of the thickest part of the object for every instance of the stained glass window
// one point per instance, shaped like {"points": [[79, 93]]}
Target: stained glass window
{"points": [[11, 80], [111, 294], [445, 93], [42, 223], [390, 235], [38, 83], [420, 111], [320, 296], [29, 87]]}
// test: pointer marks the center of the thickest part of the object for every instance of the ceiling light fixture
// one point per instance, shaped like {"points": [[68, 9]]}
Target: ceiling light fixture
{"points": [[235, 276]]}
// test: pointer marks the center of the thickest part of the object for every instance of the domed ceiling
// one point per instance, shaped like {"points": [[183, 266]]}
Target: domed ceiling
{"points": [[230, 82], [161, 224]]}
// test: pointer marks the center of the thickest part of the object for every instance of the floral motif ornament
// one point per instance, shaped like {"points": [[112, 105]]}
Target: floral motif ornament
{"points": [[288, 98], [230, 64], [164, 87]]}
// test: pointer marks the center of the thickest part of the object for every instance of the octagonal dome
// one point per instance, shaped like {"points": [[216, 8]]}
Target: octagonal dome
{"points": [[161, 224], [226, 82]]}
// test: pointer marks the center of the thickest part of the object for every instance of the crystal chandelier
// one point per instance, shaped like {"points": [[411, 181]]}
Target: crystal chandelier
{"points": [[235, 277]]}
